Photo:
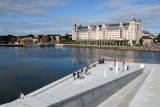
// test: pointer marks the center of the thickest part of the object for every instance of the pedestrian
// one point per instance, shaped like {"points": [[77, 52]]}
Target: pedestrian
{"points": [[80, 75], [74, 75], [21, 95], [114, 62], [77, 74], [127, 67], [86, 70]]}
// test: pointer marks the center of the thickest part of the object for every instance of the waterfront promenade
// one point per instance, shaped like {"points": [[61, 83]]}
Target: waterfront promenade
{"points": [[109, 47], [81, 92]]}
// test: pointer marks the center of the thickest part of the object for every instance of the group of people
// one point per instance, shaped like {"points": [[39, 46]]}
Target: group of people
{"points": [[79, 73], [126, 67], [101, 61]]}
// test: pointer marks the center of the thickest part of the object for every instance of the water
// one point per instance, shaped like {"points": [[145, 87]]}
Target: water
{"points": [[28, 69]]}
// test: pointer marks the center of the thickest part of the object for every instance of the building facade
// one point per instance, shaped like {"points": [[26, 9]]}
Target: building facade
{"points": [[122, 31]]}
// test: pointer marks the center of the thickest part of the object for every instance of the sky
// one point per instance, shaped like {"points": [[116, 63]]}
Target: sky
{"points": [[22, 17]]}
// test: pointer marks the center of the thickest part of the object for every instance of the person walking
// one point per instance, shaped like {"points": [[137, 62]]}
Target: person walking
{"points": [[86, 70], [74, 75], [77, 74], [114, 62], [127, 67]]}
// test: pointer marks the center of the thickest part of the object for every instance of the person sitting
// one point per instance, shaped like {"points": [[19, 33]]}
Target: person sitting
{"points": [[99, 61], [88, 67], [81, 69], [21, 95], [102, 61]]}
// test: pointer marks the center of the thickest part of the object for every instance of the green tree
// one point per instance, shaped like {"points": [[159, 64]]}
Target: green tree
{"points": [[115, 43], [75, 42], [133, 42], [85, 42], [106, 43], [78, 42], [155, 40], [158, 37], [90, 42], [140, 41], [125, 43]]}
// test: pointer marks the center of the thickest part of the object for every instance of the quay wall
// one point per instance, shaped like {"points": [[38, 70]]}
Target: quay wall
{"points": [[107, 47], [95, 96], [10, 45]]}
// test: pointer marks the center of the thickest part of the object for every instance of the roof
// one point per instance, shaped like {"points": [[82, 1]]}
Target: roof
{"points": [[133, 19], [113, 25], [145, 32], [138, 20], [146, 37], [110, 27]]}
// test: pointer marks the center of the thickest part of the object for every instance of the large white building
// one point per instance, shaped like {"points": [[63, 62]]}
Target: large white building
{"points": [[123, 31]]}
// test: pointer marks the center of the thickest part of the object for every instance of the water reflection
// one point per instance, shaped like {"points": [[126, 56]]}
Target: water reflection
{"points": [[27, 69], [80, 55]]}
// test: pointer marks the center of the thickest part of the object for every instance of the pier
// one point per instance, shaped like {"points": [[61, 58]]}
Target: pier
{"points": [[94, 89]]}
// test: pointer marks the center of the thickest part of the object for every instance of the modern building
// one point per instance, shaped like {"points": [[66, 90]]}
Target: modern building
{"points": [[115, 32]]}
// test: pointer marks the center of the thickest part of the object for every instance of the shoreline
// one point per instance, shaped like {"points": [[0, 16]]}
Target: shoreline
{"points": [[86, 46], [23, 45], [107, 47]]}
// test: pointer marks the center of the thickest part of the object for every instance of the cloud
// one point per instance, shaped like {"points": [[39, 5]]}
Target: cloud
{"points": [[28, 7], [115, 3], [148, 15], [24, 28]]}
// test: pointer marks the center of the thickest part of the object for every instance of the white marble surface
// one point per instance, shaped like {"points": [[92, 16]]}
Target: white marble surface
{"points": [[52, 93], [149, 93]]}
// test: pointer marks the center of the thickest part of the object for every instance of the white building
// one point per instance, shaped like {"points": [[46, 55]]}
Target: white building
{"points": [[123, 31]]}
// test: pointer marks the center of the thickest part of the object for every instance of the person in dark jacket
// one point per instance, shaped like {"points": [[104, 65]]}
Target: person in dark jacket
{"points": [[77, 74], [74, 75]]}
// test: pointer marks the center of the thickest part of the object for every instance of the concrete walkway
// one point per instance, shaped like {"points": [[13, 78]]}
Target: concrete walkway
{"points": [[149, 93], [124, 96], [61, 91], [141, 92]]}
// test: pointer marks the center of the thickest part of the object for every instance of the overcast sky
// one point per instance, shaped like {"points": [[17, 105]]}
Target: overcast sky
{"points": [[21, 17]]}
